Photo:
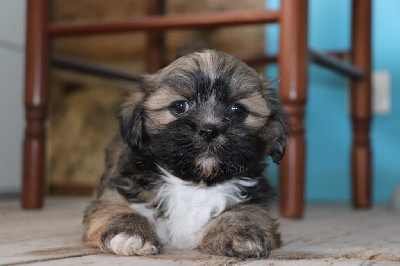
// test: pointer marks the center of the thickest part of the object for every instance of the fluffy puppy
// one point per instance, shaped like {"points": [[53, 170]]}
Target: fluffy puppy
{"points": [[187, 169]]}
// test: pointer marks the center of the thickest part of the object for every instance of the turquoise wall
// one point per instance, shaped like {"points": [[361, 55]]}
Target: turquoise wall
{"points": [[327, 119]]}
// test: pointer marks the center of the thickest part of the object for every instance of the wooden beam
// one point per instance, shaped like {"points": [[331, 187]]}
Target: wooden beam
{"points": [[80, 66], [293, 74], [229, 18], [335, 64], [361, 104], [36, 101]]}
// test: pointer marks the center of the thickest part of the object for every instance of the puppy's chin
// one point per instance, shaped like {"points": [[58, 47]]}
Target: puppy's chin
{"points": [[206, 166]]}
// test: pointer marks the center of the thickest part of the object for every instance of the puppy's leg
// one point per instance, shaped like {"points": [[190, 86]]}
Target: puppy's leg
{"points": [[248, 231], [112, 225]]}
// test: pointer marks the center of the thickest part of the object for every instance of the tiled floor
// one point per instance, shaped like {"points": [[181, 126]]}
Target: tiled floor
{"points": [[329, 234]]}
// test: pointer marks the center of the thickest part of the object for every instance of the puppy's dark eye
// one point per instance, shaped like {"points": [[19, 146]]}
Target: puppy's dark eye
{"points": [[239, 110], [179, 107]]}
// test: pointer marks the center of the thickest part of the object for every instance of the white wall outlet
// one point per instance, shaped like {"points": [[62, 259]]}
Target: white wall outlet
{"points": [[381, 92]]}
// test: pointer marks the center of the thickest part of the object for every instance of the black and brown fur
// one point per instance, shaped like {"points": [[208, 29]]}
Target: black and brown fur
{"points": [[235, 121]]}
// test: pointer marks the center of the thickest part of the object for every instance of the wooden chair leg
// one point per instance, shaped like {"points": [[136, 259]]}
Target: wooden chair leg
{"points": [[155, 40], [293, 94], [35, 103], [361, 103]]}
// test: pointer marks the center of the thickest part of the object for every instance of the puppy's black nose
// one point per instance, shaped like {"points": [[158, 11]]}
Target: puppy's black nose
{"points": [[209, 132]]}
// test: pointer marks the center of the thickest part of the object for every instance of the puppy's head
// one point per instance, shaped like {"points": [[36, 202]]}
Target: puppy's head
{"points": [[206, 117]]}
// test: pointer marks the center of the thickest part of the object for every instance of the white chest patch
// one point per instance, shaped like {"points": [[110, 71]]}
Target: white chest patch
{"points": [[188, 208]]}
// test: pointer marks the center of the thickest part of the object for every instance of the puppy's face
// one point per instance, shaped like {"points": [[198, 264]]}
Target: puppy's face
{"points": [[206, 117]]}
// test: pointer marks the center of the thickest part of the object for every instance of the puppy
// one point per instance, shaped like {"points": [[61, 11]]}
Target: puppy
{"points": [[187, 169]]}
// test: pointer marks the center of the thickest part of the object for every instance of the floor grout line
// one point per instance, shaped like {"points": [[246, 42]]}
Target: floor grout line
{"points": [[52, 259]]}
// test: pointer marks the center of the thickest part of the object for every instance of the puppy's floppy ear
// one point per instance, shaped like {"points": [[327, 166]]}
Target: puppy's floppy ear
{"points": [[131, 120], [276, 128], [276, 137]]}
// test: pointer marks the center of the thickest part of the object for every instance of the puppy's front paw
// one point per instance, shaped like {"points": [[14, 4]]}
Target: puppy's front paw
{"points": [[123, 244], [131, 235], [237, 237]]}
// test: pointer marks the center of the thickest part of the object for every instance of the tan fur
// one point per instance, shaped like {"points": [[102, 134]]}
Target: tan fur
{"points": [[162, 98], [108, 215], [114, 150], [146, 119], [159, 119], [247, 231], [129, 105], [206, 165], [255, 122], [101, 213]]}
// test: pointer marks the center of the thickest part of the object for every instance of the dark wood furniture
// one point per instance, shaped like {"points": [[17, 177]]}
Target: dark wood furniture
{"points": [[293, 59]]}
